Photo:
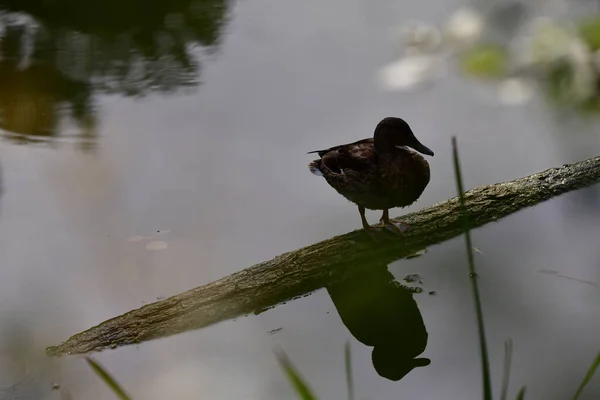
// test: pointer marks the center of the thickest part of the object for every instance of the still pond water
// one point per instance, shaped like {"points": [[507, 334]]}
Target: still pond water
{"points": [[141, 159]]}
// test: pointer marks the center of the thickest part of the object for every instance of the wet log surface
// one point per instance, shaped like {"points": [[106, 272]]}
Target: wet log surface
{"points": [[305, 270]]}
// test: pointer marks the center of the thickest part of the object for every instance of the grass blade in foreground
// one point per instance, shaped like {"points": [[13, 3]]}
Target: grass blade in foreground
{"points": [[348, 361], [108, 379], [588, 376], [506, 372], [300, 387], [521, 395], [485, 364]]}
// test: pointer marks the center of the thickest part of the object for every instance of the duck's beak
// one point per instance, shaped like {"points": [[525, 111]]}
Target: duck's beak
{"points": [[420, 147]]}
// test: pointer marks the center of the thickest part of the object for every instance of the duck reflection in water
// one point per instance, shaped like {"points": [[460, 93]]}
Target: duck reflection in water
{"points": [[379, 312]]}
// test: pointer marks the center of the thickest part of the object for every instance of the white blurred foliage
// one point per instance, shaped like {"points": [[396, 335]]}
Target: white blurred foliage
{"points": [[419, 37], [584, 75], [423, 60], [515, 91], [548, 42], [544, 44], [410, 71], [465, 26]]}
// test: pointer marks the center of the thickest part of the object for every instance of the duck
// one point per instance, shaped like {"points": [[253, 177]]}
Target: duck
{"points": [[378, 173]]}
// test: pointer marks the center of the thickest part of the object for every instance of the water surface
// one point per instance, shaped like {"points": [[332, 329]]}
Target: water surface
{"points": [[142, 157]]}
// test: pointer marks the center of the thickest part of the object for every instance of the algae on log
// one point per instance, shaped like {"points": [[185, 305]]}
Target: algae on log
{"points": [[305, 270]]}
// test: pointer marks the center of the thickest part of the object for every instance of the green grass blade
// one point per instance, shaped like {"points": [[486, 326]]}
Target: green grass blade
{"points": [[588, 376], [348, 362], [506, 372], [521, 394], [109, 380], [485, 364], [300, 387]]}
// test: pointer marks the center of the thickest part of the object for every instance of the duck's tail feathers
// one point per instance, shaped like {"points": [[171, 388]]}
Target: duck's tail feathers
{"points": [[313, 166], [322, 152]]}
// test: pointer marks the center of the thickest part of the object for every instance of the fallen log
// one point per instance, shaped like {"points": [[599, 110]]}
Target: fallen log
{"points": [[302, 271]]}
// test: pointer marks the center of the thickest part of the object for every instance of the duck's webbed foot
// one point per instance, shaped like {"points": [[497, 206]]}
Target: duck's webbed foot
{"points": [[395, 227], [372, 231]]}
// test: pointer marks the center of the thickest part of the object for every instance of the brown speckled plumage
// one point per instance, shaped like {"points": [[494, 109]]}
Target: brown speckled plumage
{"points": [[377, 173]]}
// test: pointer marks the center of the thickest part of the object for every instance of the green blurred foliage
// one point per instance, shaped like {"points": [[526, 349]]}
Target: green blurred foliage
{"points": [[589, 30], [485, 61]]}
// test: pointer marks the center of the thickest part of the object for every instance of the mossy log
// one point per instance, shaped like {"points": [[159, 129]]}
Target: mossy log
{"points": [[305, 270]]}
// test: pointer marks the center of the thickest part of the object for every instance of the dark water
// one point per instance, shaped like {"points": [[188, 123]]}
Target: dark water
{"points": [[148, 148]]}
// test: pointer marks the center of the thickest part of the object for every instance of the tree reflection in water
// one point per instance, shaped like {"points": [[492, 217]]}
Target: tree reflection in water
{"points": [[54, 59]]}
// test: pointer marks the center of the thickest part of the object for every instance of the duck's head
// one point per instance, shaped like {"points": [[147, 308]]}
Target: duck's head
{"points": [[395, 132], [395, 362]]}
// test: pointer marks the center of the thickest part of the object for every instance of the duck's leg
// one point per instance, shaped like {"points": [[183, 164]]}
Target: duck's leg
{"points": [[397, 227], [363, 219], [368, 228]]}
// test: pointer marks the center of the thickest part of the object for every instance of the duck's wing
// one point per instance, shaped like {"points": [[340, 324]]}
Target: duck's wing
{"points": [[356, 156], [342, 146]]}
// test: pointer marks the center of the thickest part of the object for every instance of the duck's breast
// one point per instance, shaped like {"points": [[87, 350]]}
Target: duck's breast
{"points": [[404, 176]]}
